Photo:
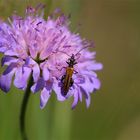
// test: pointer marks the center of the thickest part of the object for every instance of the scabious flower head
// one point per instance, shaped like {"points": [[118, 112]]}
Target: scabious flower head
{"points": [[40, 48]]}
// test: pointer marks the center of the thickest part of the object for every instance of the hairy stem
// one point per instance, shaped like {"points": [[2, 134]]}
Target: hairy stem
{"points": [[23, 109]]}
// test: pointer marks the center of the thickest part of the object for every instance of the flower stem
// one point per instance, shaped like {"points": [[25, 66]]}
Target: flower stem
{"points": [[23, 109]]}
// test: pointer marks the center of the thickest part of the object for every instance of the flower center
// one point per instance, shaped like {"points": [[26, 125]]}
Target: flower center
{"points": [[38, 59]]}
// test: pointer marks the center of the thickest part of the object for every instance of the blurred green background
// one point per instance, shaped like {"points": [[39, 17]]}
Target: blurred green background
{"points": [[114, 114]]}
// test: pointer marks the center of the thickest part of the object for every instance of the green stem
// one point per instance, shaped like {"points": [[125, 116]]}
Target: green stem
{"points": [[61, 121], [23, 109]]}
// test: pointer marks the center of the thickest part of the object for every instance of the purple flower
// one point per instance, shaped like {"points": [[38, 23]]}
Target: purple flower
{"points": [[44, 48]]}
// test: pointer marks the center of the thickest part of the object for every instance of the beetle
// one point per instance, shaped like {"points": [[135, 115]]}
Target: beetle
{"points": [[66, 79]]}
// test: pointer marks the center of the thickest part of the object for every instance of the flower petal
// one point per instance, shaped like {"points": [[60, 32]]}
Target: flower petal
{"points": [[9, 68], [33, 88], [6, 59], [87, 96], [40, 84], [79, 95], [5, 81], [35, 67], [88, 101], [2, 49], [84, 92], [49, 84], [88, 86], [95, 66], [96, 82], [11, 53], [21, 77], [45, 73], [44, 97], [79, 79], [36, 72]]}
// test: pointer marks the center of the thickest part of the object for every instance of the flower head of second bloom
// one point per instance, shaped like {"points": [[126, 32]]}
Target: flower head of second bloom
{"points": [[43, 48]]}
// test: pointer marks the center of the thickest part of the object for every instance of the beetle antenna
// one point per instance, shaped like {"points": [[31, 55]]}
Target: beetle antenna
{"points": [[87, 45], [81, 50], [63, 53]]}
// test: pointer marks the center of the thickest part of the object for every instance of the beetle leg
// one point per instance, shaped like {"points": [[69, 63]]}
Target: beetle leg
{"points": [[71, 82], [62, 79], [61, 68], [75, 72], [67, 62], [75, 63]]}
